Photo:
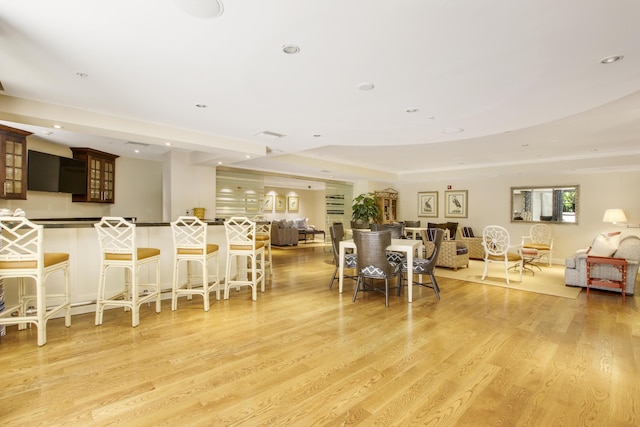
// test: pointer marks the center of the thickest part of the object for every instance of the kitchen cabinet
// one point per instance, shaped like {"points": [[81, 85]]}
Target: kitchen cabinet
{"points": [[13, 162], [101, 175]]}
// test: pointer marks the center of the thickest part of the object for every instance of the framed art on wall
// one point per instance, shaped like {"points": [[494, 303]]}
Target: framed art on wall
{"points": [[281, 203], [456, 204], [428, 203], [292, 203], [267, 206]]}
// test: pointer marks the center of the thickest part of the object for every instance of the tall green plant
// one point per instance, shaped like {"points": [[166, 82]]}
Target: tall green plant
{"points": [[365, 208]]}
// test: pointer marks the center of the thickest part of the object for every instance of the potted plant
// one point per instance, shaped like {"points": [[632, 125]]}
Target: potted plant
{"points": [[365, 210]]}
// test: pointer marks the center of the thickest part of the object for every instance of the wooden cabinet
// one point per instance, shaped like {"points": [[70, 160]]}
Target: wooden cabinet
{"points": [[101, 175], [13, 162], [388, 203]]}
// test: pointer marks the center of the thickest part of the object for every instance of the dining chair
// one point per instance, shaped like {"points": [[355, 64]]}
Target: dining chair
{"points": [[350, 259], [425, 266], [191, 247], [373, 263], [22, 257], [540, 238], [497, 249], [246, 250], [263, 234], [119, 249]]}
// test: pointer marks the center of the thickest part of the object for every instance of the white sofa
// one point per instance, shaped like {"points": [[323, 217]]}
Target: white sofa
{"points": [[575, 273]]}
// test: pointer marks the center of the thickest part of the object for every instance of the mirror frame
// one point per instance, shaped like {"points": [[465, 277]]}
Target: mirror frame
{"points": [[516, 209]]}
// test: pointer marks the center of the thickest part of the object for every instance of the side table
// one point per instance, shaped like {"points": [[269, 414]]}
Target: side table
{"points": [[619, 264]]}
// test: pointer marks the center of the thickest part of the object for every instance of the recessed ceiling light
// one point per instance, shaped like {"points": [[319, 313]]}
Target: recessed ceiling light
{"points": [[168, 144], [219, 163], [611, 59], [411, 110], [366, 86], [453, 130], [317, 135], [201, 105], [248, 156], [82, 75], [290, 49], [57, 126]]}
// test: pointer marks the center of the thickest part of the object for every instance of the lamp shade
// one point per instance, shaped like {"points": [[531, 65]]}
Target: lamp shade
{"points": [[614, 216]]}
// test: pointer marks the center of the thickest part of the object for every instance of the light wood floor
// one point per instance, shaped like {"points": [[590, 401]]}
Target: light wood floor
{"points": [[305, 355]]}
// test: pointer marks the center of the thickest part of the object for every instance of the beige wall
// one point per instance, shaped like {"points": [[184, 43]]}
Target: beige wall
{"points": [[490, 203]]}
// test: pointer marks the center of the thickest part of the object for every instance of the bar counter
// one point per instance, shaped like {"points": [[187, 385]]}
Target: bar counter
{"points": [[78, 238]]}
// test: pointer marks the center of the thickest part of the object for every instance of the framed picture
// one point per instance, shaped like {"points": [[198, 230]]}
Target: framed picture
{"points": [[281, 203], [292, 203], [267, 206], [428, 203], [456, 204]]}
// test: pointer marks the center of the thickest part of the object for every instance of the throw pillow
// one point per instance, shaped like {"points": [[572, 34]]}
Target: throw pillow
{"points": [[453, 228], [605, 244], [467, 232]]}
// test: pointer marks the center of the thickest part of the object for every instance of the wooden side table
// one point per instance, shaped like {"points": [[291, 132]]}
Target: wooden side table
{"points": [[619, 264]]}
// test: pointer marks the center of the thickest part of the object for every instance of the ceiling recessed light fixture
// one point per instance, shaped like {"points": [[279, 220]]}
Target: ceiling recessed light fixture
{"points": [[82, 75], [317, 135], [290, 49], [57, 126], [365, 86], [611, 59], [411, 110], [269, 134], [201, 105]]}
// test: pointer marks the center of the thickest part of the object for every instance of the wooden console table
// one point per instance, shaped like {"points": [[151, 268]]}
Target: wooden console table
{"points": [[619, 264]]}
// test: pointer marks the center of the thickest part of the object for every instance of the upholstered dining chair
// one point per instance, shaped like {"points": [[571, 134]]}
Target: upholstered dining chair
{"points": [[540, 238], [498, 249], [373, 263], [22, 257], [350, 259], [397, 232], [119, 249], [242, 245], [425, 266], [191, 247]]}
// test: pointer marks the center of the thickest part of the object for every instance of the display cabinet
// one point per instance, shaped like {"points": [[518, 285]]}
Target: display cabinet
{"points": [[101, 175], [388, 203], [13, 162]]}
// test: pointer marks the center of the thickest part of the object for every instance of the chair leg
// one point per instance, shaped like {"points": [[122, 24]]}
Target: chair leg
{"points": [[355, 293], [386, 292], [41, 308], [174, 290], [67, 296], [333, 278], [133, 295], [434, 283], [100, 299], [486, 265], [205, 285]]}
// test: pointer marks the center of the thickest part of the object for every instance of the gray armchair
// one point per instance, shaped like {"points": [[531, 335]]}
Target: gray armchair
{"points": [[283, 234], [575, 272]]}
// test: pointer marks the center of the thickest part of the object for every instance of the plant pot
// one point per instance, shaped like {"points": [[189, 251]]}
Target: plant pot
{"points": [[360, 225]]}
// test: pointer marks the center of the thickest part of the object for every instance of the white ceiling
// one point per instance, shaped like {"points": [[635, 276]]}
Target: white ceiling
{"points": [[521, 79]]}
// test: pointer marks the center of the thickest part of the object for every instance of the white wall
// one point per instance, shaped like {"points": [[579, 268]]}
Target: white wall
{"points": [[312, 205], [490, 203]]}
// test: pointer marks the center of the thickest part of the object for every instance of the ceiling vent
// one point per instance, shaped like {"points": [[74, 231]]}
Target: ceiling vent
{"points": [[269, 135], [136, 144]]}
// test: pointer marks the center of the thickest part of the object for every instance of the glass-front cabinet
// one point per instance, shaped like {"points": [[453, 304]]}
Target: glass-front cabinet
{"points": [[101, 175], [387, 201], [13, 162], [557, 204]]}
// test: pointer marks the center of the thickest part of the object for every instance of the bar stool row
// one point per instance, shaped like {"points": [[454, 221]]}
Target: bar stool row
{"points": [[22, 257]]}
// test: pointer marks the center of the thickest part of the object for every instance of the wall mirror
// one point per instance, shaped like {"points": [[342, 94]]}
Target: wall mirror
{"points": [[556, 204]]}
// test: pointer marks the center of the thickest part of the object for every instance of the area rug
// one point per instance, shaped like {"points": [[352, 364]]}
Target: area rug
{"points": [[546, 280]]}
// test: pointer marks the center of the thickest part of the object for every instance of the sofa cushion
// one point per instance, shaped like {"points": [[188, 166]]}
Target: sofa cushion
{"points": [[629, 249], [605, 244]]}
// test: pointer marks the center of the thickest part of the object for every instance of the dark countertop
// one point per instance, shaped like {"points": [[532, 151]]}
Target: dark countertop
{"points": [[88, 222]]}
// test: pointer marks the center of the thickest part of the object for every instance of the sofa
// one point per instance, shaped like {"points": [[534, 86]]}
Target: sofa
{"points": [[284, 233], [575, 273]]}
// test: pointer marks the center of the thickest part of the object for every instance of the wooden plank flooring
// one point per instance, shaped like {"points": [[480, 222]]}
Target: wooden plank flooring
{"points": [[304, 355]]}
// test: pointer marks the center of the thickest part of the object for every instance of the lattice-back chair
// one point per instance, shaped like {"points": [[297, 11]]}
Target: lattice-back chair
{"points": [[242, 246], [425, 266], [373, 263], [119, 249], [22, 257], [190, 246], [540, 238], [263, 234], [498, 249], [350, 259]]}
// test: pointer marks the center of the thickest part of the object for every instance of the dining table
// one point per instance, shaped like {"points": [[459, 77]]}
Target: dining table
{"points": [[408, 246]]}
